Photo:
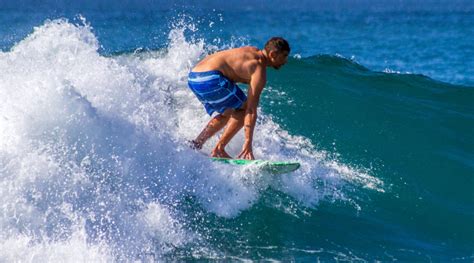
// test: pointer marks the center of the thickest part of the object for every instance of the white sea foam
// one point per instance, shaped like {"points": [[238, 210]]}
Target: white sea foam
{"points": [[93, 164]]}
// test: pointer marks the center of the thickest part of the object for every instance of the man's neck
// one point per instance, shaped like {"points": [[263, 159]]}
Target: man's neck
{"points": [[264, 55]]}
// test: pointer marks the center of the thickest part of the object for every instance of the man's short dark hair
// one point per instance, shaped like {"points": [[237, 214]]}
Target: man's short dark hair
{"points": [[277, 44]]}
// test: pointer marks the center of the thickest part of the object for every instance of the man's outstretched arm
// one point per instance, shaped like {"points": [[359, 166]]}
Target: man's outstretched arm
{"points": [[257, 83]]}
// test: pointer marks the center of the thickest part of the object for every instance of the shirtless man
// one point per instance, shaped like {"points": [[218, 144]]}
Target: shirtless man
{"points": [[213, 81]]}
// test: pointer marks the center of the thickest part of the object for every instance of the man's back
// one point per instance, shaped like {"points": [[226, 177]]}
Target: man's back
{"points": [[235, 64]]}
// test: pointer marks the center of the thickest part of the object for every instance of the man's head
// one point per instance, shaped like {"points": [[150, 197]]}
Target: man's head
{"points": [[277, 50]]}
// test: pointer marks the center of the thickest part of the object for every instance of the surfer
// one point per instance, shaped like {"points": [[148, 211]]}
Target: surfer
{"points": [[213, 81]]}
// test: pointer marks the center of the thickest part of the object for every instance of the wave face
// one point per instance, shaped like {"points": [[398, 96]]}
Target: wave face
{"points": [[94, 164], [414, 133]]}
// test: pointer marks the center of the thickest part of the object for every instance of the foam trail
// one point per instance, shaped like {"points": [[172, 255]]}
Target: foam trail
{"points": [[93, 160]]}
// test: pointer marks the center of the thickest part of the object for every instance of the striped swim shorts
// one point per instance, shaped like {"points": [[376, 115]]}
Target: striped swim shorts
{"points": [[215, 91]]}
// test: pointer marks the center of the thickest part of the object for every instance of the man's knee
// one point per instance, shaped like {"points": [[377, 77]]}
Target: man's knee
{"points": [[239, 114], [228, 112], [244, 106]]}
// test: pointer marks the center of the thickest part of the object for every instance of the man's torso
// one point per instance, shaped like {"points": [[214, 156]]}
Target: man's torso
{"points": [[235, 63]]}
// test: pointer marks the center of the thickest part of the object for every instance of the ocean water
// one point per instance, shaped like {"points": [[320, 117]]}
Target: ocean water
{"points": [[376, 103]]}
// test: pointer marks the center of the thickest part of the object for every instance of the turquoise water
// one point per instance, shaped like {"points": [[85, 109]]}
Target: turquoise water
{"points": [[414, 134], [376, 103]]}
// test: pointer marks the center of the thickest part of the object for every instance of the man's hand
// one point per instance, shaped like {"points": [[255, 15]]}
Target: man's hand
{"points": [[246, 152]]}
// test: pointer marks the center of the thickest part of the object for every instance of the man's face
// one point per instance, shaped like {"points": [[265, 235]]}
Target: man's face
{"points": [[278, 59]]}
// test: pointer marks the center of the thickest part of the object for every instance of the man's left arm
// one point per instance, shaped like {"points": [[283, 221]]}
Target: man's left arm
{"points": [[257, 83]]}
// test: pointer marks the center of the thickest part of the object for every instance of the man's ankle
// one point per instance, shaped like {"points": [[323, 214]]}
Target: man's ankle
{"points": [[220, 147], [196, 144]]}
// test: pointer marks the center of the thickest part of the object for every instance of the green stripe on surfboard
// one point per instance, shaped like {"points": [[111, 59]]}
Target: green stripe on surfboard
{"points": [[263, 165]]}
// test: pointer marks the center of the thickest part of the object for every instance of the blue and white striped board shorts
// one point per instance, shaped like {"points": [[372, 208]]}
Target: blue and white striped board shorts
{"points": [[216, 91]]}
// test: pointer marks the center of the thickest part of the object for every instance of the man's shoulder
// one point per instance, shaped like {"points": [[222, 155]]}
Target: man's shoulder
{"points": [[251, 48], [244, 49]]}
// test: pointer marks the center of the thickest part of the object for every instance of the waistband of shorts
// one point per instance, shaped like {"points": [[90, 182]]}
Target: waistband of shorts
{"points": [[205, 73]]}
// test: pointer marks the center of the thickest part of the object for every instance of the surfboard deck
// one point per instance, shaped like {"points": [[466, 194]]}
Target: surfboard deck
{"points": [[263, 165]]}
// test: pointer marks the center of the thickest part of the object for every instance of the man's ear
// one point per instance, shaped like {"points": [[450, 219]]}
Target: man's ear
{"points": [[272, 54]]}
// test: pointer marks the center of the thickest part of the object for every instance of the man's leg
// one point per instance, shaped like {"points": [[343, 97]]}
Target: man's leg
{"points": [[213, 126], [236, 123]]}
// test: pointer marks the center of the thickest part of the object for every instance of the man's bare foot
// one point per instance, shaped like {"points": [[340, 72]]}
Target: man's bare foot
{"points": [[195, 145], [220, 153]]}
